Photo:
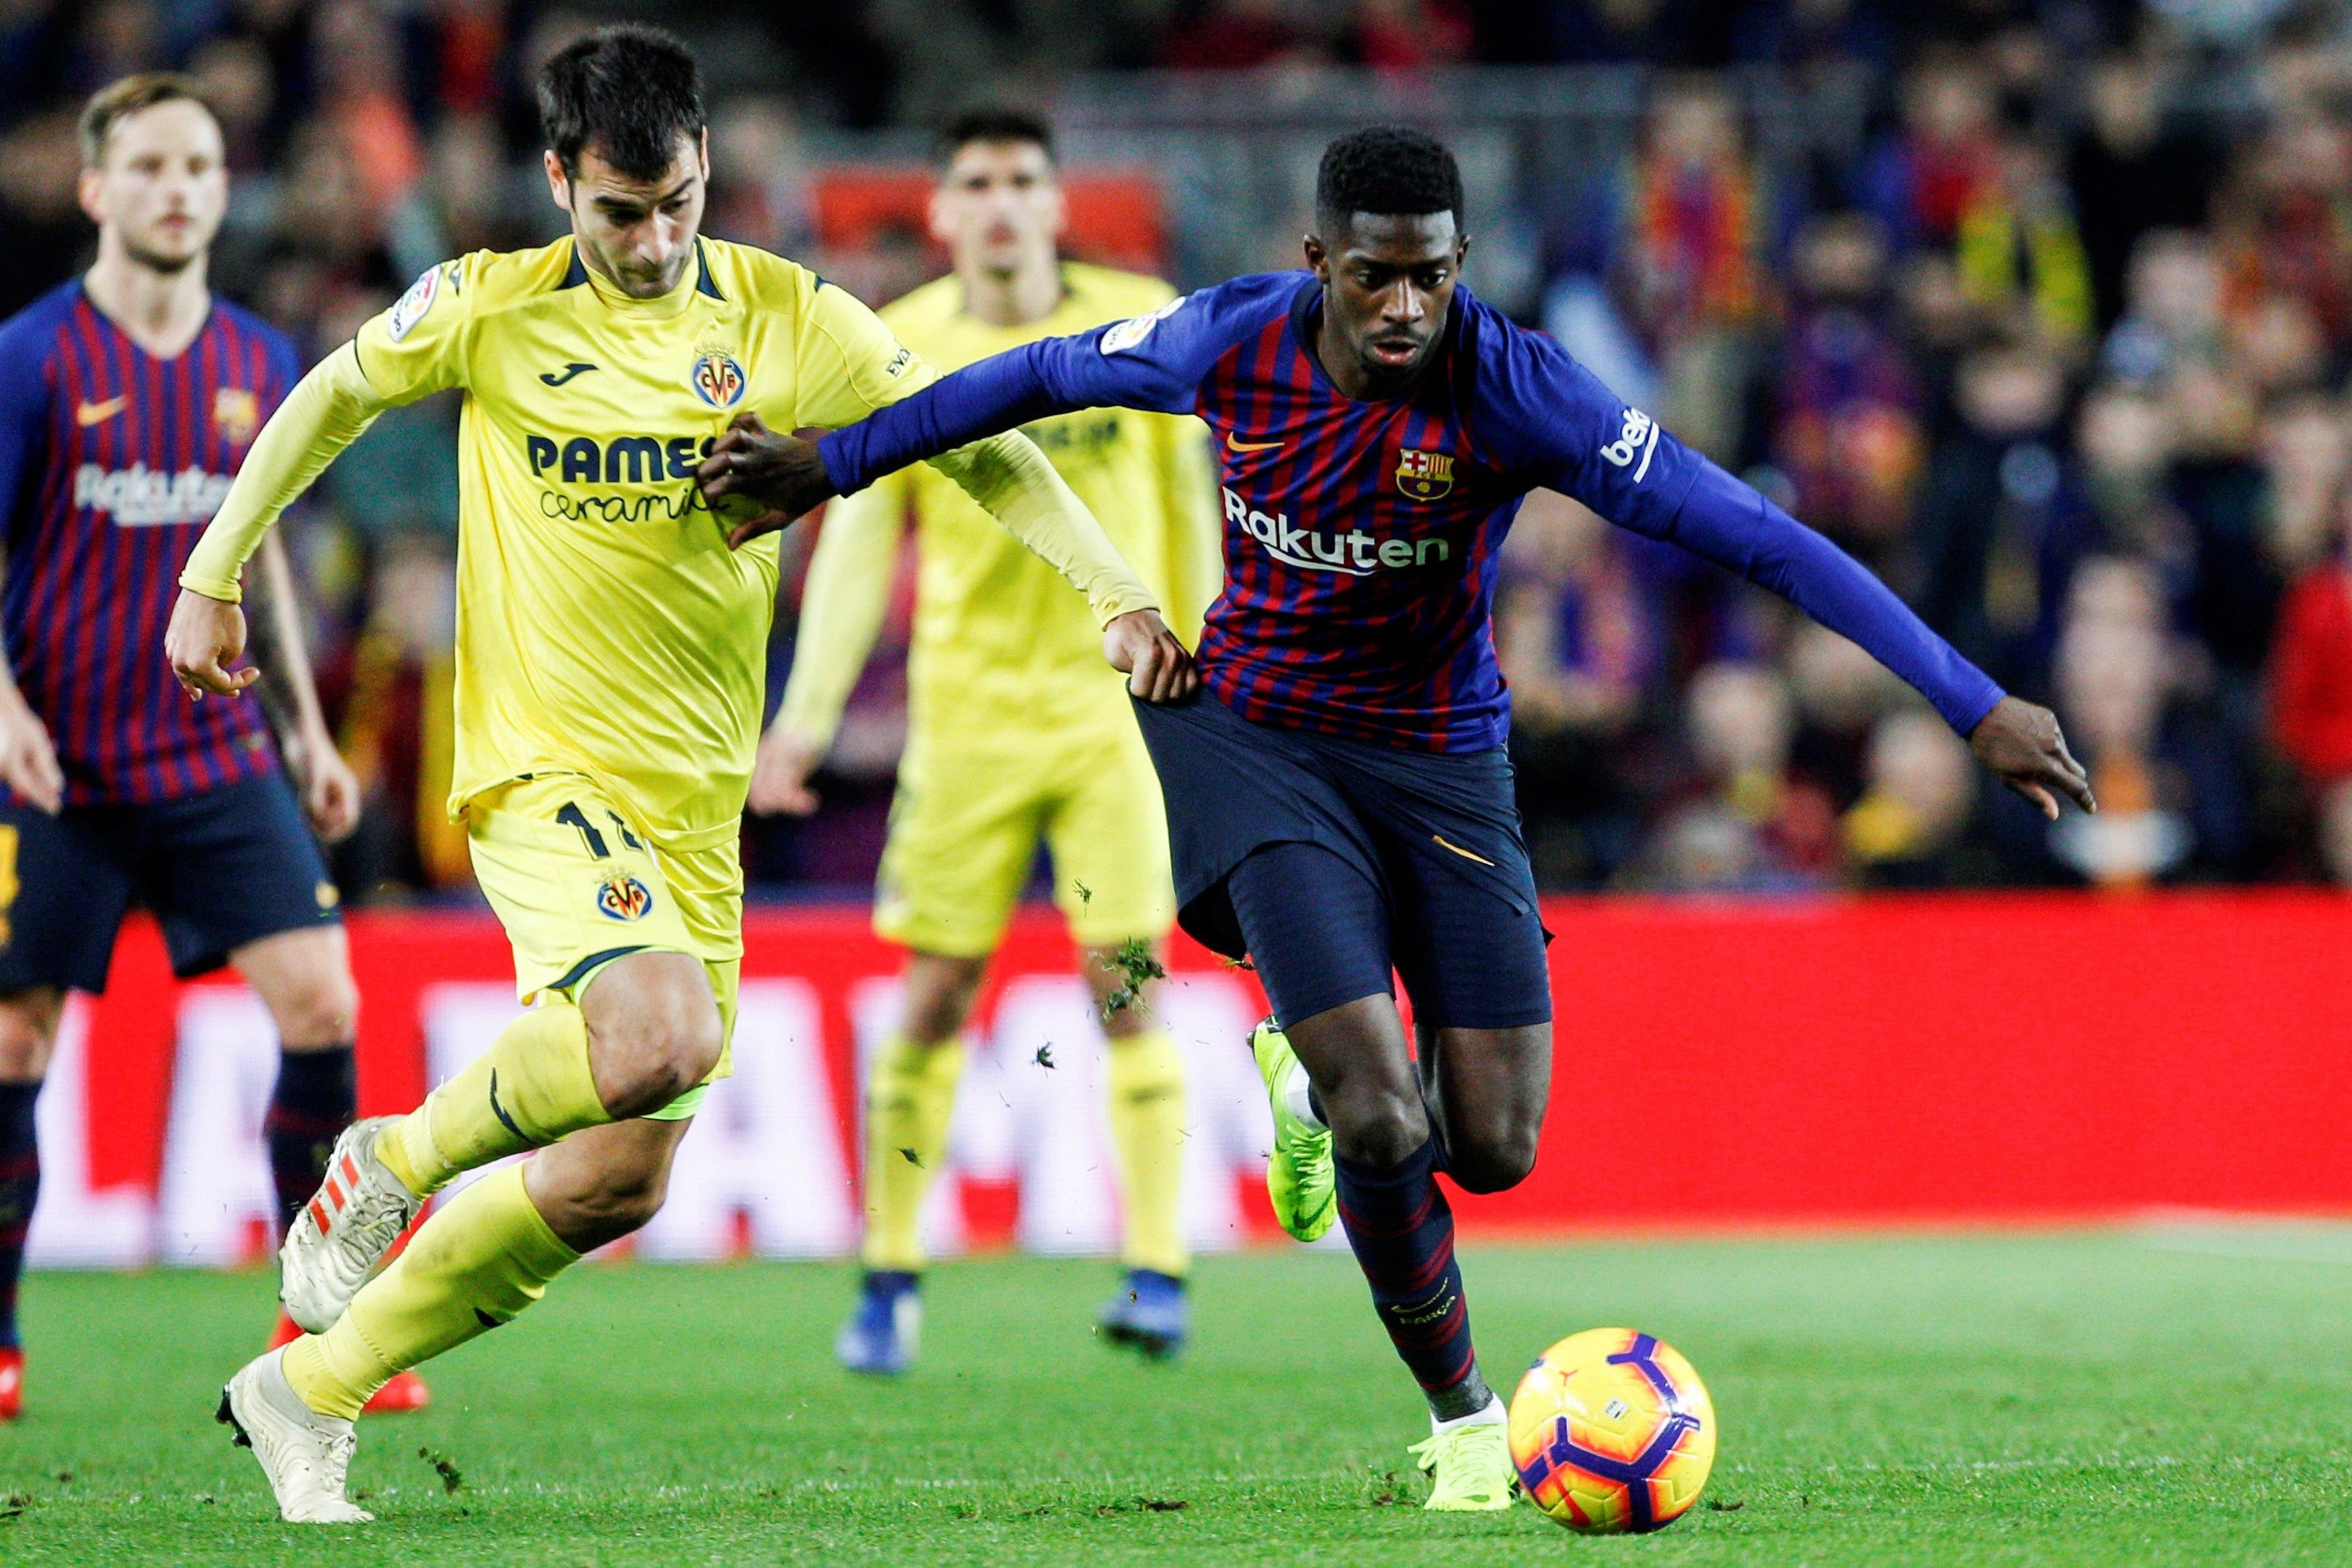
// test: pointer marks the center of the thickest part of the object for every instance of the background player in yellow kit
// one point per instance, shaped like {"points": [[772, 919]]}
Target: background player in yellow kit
{"points": [[610, 644], [1017, 729]]}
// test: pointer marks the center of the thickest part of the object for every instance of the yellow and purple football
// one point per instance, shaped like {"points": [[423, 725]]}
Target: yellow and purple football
{"points": [[1612, 1432]]}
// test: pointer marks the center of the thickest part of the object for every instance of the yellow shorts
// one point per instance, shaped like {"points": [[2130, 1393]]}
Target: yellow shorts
{"points": [[577, 885], [971, 809]]}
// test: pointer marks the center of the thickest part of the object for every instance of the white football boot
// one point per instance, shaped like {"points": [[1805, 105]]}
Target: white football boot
{"points": [[345, 1229], [305, 1454]]}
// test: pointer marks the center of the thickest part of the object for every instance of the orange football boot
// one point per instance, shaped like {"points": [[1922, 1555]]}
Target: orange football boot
{"points": [[12, 1382]]}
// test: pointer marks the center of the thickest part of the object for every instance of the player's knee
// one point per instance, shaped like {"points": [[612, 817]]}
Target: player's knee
{"points": [[1375, 1124], [1493, 1160], [663, 1042], [28, 1032], [939, 994], [323, 1012]]}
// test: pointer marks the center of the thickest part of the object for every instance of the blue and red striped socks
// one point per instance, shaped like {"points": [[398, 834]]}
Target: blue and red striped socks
{"points": [[1402, 1232], [20, 1186], [318, 1094]]}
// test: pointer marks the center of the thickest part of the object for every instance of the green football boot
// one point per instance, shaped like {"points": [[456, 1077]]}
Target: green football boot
{"points": [[1299, 1175], [1469, 1468]]}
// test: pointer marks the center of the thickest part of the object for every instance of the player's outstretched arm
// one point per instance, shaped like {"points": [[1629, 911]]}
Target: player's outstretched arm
{"points": [[326, 412]]}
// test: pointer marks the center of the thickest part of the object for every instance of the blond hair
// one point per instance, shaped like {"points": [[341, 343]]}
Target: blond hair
{"points": [[118, 100]]}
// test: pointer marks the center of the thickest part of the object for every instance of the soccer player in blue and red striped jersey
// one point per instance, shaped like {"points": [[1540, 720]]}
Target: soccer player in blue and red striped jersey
{"points": [[127, 398], [1340, 802]]}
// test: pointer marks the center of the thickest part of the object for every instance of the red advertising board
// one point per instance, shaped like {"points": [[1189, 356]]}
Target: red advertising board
{"points": [[1898, 1060]]}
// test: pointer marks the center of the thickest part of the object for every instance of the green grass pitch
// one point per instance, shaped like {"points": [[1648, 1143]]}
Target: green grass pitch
{"points": [[2132, 1397]]}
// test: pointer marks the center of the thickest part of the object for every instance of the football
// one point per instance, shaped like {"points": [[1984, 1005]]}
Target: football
{"points": [[1612, 1432]]}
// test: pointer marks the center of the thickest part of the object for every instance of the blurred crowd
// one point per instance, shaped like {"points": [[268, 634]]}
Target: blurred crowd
{"points": [[2060, 349]]}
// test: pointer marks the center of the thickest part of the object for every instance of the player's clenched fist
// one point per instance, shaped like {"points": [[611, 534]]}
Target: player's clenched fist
{"points": [[205, 637], [1140, 647]]}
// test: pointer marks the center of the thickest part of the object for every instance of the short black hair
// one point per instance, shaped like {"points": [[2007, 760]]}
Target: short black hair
{"points": [[1391, 171], [629, 91], [995, 123]]}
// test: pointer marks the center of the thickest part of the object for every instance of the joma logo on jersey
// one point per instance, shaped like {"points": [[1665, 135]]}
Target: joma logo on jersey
{"points": [[623, 898], [1424, 476], [1355, 553], [623, 460], [718, 380], [1638, 438]]}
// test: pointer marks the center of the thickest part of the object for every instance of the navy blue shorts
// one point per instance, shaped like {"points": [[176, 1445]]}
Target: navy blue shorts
{"points": [[1332, 863], [219, 869]]}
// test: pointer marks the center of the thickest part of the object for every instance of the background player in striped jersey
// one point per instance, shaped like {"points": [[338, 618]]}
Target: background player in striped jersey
{"points": [[128, 398], [1016, 731], [1339, 801]]}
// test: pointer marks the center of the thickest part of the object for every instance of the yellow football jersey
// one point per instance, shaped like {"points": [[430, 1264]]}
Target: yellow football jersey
{"points": [[999, 638], [604, 626]]}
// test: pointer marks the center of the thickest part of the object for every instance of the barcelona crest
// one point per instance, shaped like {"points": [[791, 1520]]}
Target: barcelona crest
{"points": [[624, 899], [237, 414], [718, 380], [1425, 476]]}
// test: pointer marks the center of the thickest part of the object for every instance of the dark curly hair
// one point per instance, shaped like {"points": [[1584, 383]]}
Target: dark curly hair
{"points": [[630, 91], [1389, 170]]}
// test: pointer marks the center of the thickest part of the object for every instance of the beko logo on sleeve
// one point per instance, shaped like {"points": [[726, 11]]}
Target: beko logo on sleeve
{"points": [[1639, 439]]}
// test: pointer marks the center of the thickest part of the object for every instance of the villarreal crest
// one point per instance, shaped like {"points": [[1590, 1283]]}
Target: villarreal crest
{"points": [[623, 898], [718, 379], [1425, 476]]}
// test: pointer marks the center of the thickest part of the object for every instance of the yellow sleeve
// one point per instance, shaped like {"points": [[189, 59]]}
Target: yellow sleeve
{"points": [[420, 345], [1194, 535], [325, 413], [849, 364], [415, 348], [843, 604]]}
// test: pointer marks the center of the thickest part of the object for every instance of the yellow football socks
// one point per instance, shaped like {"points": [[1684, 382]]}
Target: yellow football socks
{"points": [[531, 1089], [1147, 1132], [908, 1100], [481, 1258]]}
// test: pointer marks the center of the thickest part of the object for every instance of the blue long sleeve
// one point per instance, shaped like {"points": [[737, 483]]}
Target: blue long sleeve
{"points": [[1153, 363], [1730, 524], [984, 399]]}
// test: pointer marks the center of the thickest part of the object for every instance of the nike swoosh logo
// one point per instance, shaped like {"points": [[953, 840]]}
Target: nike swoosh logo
{"points": [[90, 413], [1438, 838], [500, 1111], [1235, 444], [556, 378]]}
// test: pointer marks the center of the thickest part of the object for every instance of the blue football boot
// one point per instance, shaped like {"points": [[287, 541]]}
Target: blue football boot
{"points": [[883, 1333], [1147, 1314]]}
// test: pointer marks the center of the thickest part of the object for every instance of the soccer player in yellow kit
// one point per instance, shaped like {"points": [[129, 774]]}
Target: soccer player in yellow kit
{"points": [[611, 646], [1017, 729]]}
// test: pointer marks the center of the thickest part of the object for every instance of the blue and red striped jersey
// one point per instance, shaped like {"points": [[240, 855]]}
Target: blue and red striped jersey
{"points": [[111, 462], [1361, 537]]}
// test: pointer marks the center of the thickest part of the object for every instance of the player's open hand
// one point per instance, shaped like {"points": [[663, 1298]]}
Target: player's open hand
{"points": [[28, 761], [766, 467], [206, 636], [1140, 647], [780, 774], [330, 791], [2023, 745]]}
